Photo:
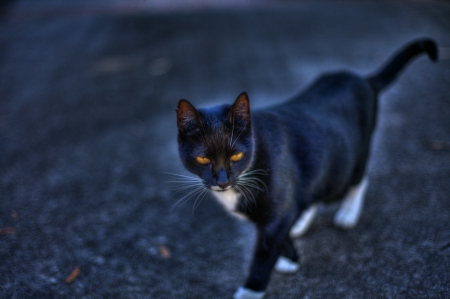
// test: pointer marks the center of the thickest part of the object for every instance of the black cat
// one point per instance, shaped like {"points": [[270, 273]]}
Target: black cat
{"points": [[272, 166]]}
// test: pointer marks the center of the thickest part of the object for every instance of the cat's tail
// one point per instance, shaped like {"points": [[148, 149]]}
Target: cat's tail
{"points": [[389, 72]]}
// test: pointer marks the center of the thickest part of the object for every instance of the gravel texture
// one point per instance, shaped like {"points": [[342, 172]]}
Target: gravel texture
{"points": [[87, 137]]}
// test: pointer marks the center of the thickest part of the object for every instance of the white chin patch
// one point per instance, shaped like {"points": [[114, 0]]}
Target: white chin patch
{"points": [[217, 188], [229, 199]]}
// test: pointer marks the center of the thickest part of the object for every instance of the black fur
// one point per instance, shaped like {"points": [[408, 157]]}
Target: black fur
{"points": [[312, 148]]}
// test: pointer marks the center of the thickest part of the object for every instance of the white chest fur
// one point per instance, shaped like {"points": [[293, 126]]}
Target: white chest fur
{"points": [[229, 199]]}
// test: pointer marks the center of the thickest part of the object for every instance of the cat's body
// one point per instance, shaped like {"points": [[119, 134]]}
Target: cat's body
{"points": [[273, 165]]}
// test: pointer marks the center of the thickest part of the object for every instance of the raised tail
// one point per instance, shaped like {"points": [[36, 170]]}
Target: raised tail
{"points": [[389, 72]]}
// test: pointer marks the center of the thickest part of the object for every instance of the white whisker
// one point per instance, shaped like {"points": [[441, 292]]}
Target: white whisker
{"points": [[183, 177], [243, 129], [188, 196], [248, 184], [254, 172], [248, 196], [253, 182], [250, 179], [185, 182], [201, 196], [232, 131], [182, 188]]}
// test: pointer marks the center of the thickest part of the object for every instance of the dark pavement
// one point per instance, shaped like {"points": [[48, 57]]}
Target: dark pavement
{"points": [[87, 136]]}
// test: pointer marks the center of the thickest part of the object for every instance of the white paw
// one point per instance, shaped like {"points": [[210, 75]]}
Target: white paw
{"points": [[286, 266], [244, 293], [304, 222], [348, 214], [346, 218]]}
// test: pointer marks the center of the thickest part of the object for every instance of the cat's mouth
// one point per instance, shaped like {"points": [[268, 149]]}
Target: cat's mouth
{"points": [[220, 189]]}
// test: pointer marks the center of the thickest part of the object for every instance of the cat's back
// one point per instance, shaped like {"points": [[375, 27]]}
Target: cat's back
{"points": [[335, 112], [322, 130], [339, 90], [336, 97]]}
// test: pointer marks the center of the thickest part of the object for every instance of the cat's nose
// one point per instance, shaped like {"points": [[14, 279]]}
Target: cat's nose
{"points": [[222, 179]]}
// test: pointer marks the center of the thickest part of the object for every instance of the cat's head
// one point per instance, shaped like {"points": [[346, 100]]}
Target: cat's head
{"points": [[216, 144]]}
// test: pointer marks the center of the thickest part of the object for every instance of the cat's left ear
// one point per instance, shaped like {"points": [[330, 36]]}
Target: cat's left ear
{"points": [[240, 110]]}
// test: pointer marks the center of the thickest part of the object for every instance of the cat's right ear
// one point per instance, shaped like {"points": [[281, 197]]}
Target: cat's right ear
{"points": [[188, 119]]}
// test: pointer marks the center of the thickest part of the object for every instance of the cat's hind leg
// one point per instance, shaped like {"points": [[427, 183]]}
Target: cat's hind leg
{"points": [[304, 222], [350, 210]]}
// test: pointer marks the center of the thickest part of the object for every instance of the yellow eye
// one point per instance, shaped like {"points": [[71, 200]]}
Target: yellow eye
{"points": [[237, 157], [202, 160]]}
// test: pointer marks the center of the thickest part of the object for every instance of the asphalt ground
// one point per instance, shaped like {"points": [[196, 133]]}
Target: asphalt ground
{"points": [[88, 135]]}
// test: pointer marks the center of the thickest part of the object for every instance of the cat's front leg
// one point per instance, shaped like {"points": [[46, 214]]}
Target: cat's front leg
{"points": [[289, 261], [270, 243]]}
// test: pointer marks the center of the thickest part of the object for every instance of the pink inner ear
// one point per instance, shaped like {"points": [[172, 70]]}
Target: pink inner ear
{"points": [[241, 107], [186, 113]]}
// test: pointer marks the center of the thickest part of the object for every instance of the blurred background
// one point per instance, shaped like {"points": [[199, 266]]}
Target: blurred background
{"points": [[88, 91]]}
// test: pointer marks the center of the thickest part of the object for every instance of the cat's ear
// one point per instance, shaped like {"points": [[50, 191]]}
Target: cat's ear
{"points": [[240, 110], [188, 119]]}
